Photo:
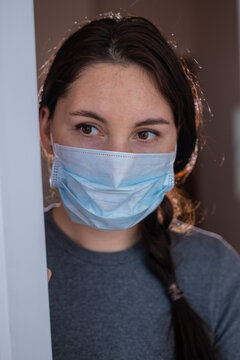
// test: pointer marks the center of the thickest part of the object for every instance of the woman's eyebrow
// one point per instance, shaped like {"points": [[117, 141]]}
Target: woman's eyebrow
{"points": [[93, 115], [153, 122], [89, 114]]}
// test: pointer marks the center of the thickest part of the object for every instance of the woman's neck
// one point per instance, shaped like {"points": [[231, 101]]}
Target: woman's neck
{"points": [[94, 239]]}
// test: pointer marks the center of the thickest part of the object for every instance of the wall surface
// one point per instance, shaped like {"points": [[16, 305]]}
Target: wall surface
{"points": [[209, 30], [216, 48], [53, 21]]}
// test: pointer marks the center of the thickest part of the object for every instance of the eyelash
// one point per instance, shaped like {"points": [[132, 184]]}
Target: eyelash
{"points": [[153, 132], [82, 125]]}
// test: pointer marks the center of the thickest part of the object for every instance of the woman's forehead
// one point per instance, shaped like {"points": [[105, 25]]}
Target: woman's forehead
{"points": [[116, 88]]}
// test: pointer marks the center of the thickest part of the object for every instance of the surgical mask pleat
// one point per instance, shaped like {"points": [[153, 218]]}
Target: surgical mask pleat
{"points": [[110, 190]]}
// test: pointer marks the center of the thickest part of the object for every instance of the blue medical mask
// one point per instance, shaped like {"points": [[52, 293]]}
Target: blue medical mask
{"points": [[110, 190]]}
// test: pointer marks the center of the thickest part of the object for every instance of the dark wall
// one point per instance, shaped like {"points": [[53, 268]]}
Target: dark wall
{"points": [[216, 48]]}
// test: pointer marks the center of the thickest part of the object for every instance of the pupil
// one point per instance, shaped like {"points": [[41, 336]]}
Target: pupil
{"points": [[143, 135], [86, 129]]}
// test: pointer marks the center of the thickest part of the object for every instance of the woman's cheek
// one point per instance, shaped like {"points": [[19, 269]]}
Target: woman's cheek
{"points": [[93, 142]]}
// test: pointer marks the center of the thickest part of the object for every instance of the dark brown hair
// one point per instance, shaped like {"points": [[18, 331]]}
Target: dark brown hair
{"points": [[135, 40]]}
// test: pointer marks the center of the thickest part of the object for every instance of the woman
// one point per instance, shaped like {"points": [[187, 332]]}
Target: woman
{"points": [[119, 115]]}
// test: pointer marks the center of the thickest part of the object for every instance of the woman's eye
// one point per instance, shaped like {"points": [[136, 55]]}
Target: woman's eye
{"points": [[87, 129], [147, 135]]}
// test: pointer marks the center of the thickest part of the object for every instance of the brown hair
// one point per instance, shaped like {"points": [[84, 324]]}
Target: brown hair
{"points": [[135, 40]]}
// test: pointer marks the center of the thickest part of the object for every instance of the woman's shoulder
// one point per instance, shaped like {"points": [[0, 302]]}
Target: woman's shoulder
{"points": [[205, 258], [197, 243], [208, 272]]}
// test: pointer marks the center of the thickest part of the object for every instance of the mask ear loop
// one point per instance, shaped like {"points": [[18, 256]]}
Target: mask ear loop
{"points": [[51, 139], [175, 151], [54, 156]]}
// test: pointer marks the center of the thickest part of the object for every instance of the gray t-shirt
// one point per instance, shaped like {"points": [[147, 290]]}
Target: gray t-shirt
{"points": [[108, 306]]}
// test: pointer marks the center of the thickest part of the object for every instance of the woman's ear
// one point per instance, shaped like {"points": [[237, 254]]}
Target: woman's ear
{"points": [[45, 127]]}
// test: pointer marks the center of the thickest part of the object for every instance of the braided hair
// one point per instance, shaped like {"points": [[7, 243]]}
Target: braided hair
{"points": [[135, 40]]}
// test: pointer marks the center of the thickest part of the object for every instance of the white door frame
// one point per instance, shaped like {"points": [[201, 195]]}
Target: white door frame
{"points": [[24, 307]]}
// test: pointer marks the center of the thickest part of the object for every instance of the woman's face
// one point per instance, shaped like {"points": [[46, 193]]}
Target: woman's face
{"points": [[112, 107]]}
